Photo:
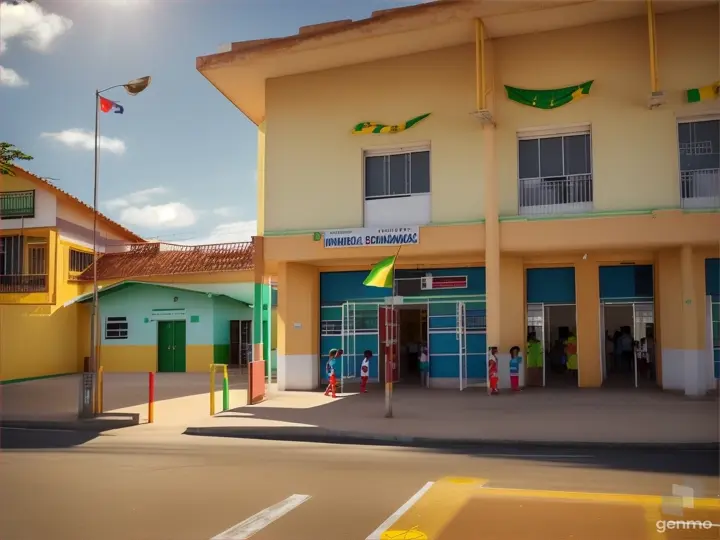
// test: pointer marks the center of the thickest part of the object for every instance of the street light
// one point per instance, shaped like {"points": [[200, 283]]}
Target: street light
{"points": [[133, 88]]}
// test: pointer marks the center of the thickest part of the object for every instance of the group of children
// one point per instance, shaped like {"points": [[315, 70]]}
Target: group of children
{"points": [[494, 365], [493, 369], [333, 356]]}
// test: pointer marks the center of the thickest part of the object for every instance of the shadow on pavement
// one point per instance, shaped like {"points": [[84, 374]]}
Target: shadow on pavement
{"points": [[690, 460], [471, 423], [35, 439]]}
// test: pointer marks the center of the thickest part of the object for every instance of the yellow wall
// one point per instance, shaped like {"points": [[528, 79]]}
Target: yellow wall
{"points": [[143, 358], [128, 358], [312, 160], [298, 304], [198, 358], [670, 311], [67, 289], [635, 153], [635, 156], [35, 343]]}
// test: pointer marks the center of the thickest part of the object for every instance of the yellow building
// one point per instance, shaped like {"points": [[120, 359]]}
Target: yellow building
{"points": [[522, 210], [46, 241]]}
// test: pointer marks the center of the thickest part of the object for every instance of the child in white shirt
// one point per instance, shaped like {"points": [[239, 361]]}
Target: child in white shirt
{"points": [[365, 371]]}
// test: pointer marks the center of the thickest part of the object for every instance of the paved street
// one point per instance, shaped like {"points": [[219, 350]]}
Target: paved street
{"points": [[136, 486]]}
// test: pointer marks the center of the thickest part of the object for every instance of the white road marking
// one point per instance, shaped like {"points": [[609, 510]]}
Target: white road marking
{"points": [[389, 522], [262, 519]]}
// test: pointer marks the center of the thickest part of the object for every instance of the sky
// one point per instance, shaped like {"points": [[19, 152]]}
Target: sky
{"points": [[179, 165]]}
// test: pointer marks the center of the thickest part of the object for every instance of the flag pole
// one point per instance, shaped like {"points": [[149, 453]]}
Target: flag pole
{"points": [[390, 332]]}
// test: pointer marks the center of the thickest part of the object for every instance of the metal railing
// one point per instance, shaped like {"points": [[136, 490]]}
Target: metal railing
{"points": [[556, 195], [700, 188], [17, 204], [23, 283]]}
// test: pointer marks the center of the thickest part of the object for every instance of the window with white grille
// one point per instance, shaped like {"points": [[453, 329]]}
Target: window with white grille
{"points": [[116, 328], [555, 172], [699, 153]]}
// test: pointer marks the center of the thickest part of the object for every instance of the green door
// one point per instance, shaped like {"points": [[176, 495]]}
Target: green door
{"points": [[179, 346], [165, 347]]}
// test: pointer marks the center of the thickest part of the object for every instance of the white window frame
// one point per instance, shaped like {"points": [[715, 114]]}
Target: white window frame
{"points": [[119, 336], [408, 148], [688, 119], [550, 132]]}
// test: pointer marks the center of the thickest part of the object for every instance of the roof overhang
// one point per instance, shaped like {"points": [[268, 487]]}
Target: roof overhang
{"points": [[241, 292], [240, 73]]}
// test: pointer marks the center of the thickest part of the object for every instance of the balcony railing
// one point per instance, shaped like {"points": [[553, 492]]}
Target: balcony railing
{"points": [[17, 204], [564, 195], [700, 189], [24, 283]]}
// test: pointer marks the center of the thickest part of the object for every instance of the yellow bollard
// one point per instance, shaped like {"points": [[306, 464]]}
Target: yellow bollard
{"points": [[212, 389]]}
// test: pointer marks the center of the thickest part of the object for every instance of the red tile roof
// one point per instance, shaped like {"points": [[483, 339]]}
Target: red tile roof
{"points": [[161, 259], [131, 236]]}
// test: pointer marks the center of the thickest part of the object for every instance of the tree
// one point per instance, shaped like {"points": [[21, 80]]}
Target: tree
{"points": [[9, 153]]}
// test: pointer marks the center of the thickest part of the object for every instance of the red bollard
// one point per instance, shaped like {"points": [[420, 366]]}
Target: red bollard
{"points": [[151, 397]]}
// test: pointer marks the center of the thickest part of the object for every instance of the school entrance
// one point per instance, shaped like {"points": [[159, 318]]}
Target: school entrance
{"points": [[627, 326], [394, 329], [552, 328]]}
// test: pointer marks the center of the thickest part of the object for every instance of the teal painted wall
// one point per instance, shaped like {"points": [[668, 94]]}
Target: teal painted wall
{"points": [[224, 311], [136, 304]]}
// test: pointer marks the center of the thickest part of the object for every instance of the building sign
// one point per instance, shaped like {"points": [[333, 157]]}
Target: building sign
{"points": [[391, 236], [432, 283], [167, 314]]}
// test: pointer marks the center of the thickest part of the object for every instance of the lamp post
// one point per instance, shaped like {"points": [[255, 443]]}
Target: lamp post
{"points": [[133, 88]]}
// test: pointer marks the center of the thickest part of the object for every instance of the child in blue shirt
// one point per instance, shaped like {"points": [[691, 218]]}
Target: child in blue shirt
{"points": [[515, 362]]}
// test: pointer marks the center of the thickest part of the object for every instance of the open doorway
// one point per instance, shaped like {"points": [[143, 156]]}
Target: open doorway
{"points": [[412, 337], [560, 346], [628, 331]]}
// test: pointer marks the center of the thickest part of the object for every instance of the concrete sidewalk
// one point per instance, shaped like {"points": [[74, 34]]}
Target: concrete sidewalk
{"points": [[180, 399], [423, 417]]}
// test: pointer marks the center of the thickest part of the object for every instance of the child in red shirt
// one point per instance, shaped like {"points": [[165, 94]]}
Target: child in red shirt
{"points": [[493, 371]]}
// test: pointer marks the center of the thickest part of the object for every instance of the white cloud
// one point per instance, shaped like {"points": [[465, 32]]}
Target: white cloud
{"points": [[171, 215], [10, 77], [238, 231], [135, 199], [226, 211], [83, 140], [30, 23]]}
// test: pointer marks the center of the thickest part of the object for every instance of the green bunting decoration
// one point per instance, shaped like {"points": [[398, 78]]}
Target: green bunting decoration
{"points": [[548, 99]]}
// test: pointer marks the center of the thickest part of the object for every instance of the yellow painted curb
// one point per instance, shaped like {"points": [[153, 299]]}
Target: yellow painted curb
{"points": [[404, 535]]}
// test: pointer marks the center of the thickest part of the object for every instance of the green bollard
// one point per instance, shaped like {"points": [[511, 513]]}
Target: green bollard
{"points": [[226, 394]]}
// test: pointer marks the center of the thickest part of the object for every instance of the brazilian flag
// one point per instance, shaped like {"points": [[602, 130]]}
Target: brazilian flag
{"points": [[374, 127], [382, 274], [548, 99], [705, 93]]}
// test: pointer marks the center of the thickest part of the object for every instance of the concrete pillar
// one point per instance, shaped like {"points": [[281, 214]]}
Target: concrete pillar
{"points": [[587, 299], [298, 327], [492, 238], [257, 369], [513, 326], [692, 352]]}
